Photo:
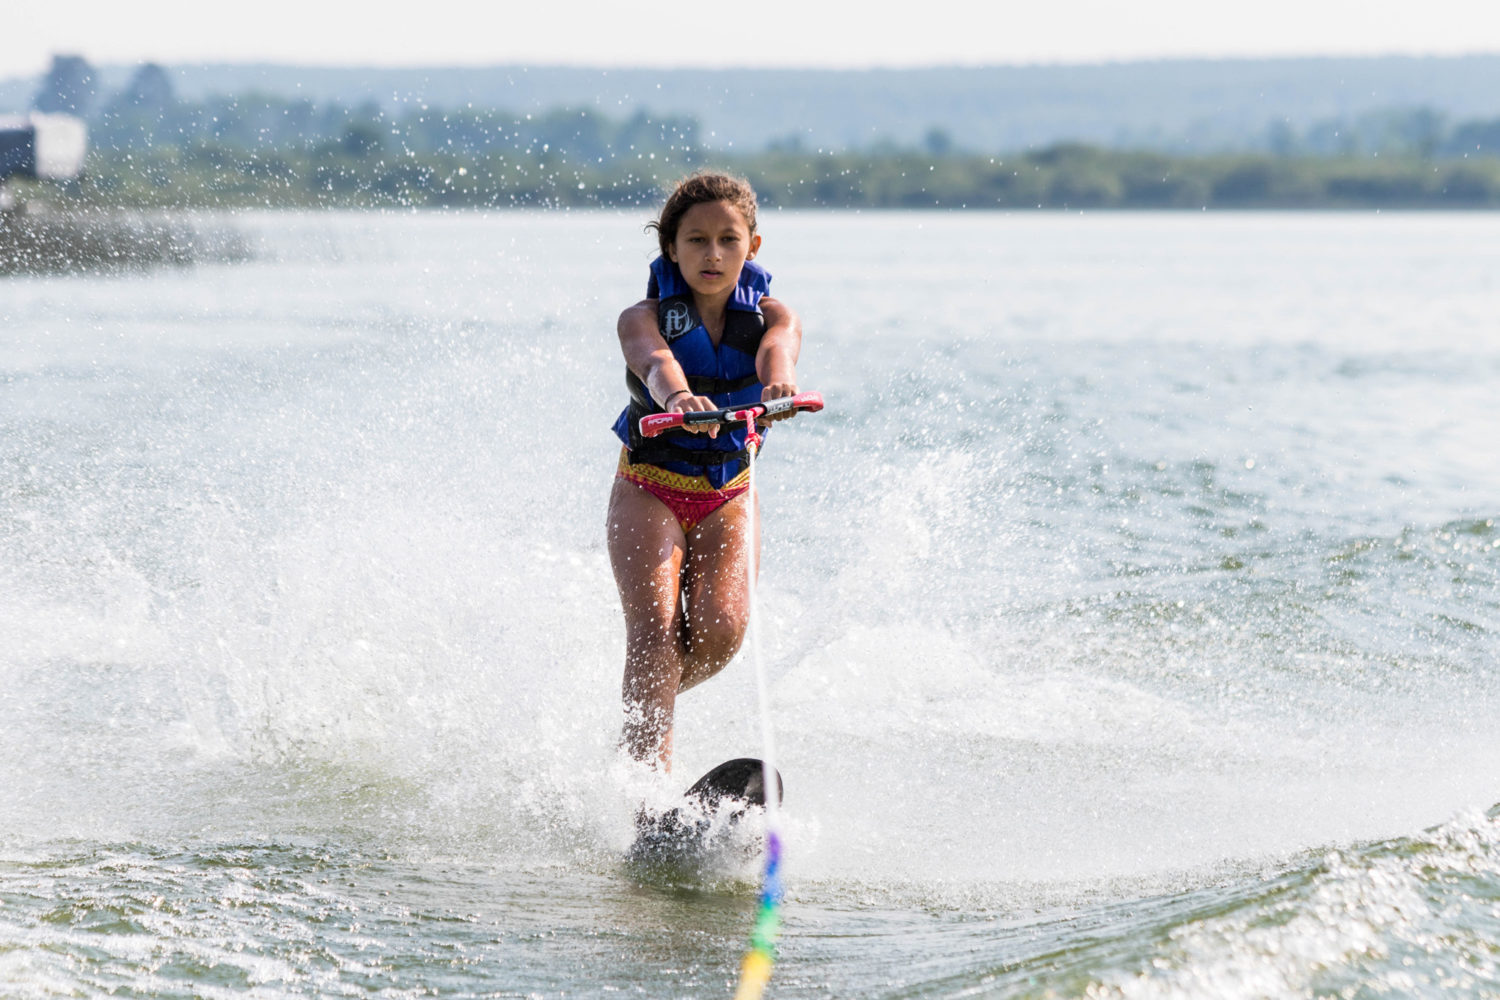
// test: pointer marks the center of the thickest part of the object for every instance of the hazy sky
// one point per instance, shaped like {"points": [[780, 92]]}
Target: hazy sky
{"points": [[764, 33]]}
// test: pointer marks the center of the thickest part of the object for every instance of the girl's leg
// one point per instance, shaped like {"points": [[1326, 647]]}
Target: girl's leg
{"points": [[718, 595], [646, 549]]}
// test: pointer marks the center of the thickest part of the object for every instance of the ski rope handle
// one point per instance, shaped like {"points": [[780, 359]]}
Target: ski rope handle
{"points": [[653, 424], [755, 967]]}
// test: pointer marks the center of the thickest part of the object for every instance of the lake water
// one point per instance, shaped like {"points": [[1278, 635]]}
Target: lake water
{"points": [[1130, 613]]}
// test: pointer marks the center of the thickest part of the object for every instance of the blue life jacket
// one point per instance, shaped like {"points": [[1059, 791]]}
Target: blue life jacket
{"points": [[724, 373]]}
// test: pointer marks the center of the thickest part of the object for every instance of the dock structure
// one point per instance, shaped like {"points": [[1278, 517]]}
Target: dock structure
{"points": [[41, 146]]}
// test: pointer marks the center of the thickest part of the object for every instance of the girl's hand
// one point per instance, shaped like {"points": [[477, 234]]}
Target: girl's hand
{"points": [[776, 390], [686, 402]]}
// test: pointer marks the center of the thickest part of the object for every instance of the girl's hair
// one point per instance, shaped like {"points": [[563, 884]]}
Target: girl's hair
{"points": [[696, 189]]}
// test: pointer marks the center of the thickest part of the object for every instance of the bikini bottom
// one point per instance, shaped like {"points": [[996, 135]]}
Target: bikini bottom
{"points": [[689, 498]]}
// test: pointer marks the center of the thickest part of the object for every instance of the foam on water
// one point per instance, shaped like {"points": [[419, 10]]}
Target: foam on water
{"points": [[1342, 920]]}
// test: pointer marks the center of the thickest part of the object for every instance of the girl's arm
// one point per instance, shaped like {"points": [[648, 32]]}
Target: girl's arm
{"points": [[649, 357], [780, 346], [647, 354]]}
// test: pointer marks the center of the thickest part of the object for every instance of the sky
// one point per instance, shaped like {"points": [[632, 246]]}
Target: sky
{"points": [[805, 33]]}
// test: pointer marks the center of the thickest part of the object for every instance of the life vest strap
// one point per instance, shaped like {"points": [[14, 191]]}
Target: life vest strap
{"points": [[657, 451]]}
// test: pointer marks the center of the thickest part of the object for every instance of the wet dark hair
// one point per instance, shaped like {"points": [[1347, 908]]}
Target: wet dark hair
{"points": [[696, 189]]}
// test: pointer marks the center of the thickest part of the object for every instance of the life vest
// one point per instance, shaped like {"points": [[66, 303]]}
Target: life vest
{"points": [[725, 373]]}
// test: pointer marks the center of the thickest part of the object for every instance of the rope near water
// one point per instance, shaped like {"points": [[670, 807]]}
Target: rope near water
{"points": [[755, 968]]}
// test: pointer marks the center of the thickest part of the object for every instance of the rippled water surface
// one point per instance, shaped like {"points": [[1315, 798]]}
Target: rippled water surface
{"points": [[1130, 613]]}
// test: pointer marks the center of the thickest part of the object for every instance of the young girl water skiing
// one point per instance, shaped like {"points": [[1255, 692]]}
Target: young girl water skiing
{"points": [[706, 337]]}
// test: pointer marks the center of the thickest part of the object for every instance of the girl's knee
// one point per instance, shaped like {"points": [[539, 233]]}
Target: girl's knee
{"points": [[712, 643]]}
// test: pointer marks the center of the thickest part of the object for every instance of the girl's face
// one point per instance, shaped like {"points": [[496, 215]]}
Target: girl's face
{"points": [[713, 242]]}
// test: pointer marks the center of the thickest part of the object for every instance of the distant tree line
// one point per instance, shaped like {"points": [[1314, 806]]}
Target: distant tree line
{"points": [[1074, 176], [150, 149]]}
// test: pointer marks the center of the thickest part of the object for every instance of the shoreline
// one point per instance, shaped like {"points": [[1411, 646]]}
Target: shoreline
{"points": [[67, 241]]}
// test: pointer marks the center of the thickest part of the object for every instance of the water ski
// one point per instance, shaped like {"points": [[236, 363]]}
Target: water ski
{"points": [[705, 824]]}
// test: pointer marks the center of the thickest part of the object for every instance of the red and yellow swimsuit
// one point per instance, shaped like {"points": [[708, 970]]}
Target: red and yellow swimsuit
{"points": [[689, 498]]}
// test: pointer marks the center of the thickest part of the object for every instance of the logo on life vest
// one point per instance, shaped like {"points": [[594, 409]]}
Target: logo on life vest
{"points": [[677, 320]]}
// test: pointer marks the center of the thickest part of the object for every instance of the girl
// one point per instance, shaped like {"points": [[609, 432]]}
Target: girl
{"points": [[706, 337]]}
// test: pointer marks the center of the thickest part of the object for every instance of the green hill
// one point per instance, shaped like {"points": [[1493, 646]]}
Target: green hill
{"points": [[1179, 106]]}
